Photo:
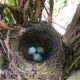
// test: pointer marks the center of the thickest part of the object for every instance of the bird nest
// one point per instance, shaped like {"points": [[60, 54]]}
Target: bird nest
{"points": [[22, 65], [40, 34]]}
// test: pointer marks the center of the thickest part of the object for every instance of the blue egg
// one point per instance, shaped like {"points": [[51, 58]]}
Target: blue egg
{"points": [[40, 50], [37, 57], [31, 50]]}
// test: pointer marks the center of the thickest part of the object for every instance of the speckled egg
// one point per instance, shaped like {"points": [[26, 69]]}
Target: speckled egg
{"points": [[40, 50], [37, 57], [31, 50]]}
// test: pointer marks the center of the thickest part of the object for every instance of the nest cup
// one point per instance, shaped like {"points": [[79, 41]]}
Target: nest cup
{"points": [[40, 34]]}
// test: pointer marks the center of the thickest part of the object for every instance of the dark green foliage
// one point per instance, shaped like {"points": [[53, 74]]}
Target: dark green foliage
{"points": [[8, 16]]}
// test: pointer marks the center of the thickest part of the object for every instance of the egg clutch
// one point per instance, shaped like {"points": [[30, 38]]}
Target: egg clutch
{"points": [[36, 53]]}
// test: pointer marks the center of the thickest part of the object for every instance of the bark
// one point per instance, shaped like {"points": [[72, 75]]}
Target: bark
{"points": [[72, 39]]}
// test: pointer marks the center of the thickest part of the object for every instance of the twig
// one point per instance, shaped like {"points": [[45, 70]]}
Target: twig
{"points": [[26, 7], [11, 55], [44, 6], [55, 23], [6, 41], [4, 49], [51, 3], [1, 42], [15, 1], [59, 25], [46, 10], [75, 61]]}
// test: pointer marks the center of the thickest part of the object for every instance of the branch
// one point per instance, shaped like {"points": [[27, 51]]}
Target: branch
{"points": [[51, 3]]}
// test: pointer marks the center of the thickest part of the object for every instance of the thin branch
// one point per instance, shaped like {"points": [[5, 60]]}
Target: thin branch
{"points": [[43, 2], [51, 3], [5, 52], [46, 10], [15, 1], [59, 25], [26, 7], [75, 61], [2, 45], [6, 41], [55, 23]]}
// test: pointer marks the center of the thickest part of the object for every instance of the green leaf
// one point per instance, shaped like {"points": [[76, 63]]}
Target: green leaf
{"points": [[8, 16], [10, 2]]}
